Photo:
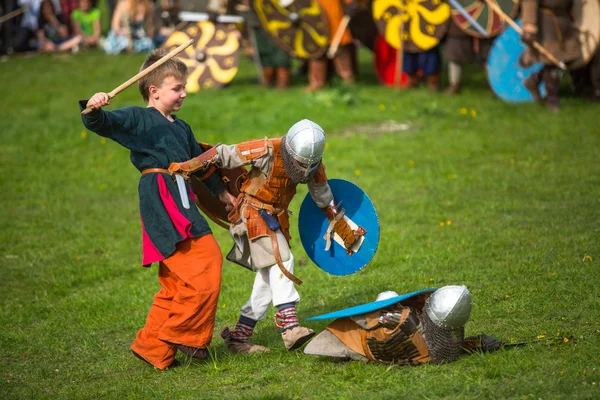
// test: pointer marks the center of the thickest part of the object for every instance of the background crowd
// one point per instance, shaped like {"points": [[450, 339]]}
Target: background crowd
{"points": [[141, 25]]}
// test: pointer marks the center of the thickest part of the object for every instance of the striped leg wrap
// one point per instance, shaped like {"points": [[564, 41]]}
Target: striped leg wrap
{"points": [[242, 332], [286, 318]]}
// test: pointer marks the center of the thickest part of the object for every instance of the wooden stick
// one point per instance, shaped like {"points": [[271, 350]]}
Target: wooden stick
{"points": [[12, 14], [145, 72], [399, 58], [337, 38], [536, 45]]}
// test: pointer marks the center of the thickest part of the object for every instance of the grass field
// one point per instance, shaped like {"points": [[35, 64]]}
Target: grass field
{"points": [[501, 198]]}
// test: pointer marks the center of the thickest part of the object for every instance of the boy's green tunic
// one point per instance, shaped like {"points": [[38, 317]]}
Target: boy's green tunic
{"points": [[156, 142]]}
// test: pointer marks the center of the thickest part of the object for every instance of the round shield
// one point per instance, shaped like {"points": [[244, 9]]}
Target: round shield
{"points": [[412, 25], [313, 224], [504, 72], [586, 17], [485, 16], [300, 29], [419, 296], [213, 60], [386, 65]]}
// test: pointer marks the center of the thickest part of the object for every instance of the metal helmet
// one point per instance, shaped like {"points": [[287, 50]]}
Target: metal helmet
{"points": [[449, 306], [442, 322], [302, 149]]}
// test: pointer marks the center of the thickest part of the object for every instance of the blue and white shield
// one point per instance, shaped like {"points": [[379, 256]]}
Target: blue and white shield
{"points": [[417, 297], [359, 212], [504, 72]]}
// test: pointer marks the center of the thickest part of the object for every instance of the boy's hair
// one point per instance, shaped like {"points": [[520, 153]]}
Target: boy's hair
{"points": [[173, 67]]}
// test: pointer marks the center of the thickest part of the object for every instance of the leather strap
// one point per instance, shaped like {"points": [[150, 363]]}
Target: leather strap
{"points": [[155, 171], [277, 255], [259, 205]]}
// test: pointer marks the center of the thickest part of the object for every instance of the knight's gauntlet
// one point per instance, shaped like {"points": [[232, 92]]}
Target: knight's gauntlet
{"points": [[340, 226], [202, 162]]}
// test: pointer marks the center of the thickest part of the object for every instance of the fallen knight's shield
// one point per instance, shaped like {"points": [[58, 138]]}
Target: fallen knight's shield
{"points": [[483, 14], [299, 27], [211, 206], [412, 25], [213, 59], [313, 225], [504, 72]]}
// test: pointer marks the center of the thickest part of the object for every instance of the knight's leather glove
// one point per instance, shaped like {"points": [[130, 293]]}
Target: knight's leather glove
{"points": [[341, 227], [203, 161]]}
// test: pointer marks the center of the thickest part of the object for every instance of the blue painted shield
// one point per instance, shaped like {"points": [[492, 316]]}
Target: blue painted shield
{"points": [[313, 223], [504, 73], [376, 305]]}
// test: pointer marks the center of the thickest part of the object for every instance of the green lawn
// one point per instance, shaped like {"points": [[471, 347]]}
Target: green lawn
{"points": [[501, 198]]}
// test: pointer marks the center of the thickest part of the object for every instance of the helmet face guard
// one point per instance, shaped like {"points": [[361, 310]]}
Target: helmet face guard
{"points": [[302, 149]]}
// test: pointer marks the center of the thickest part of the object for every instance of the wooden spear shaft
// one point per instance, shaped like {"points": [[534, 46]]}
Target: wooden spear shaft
{"points": [[11, 14], [337, 38], [536, 45], [144, 72]]}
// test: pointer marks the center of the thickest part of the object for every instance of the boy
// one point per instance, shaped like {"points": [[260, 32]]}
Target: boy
{"points": [[173, 234], [260, 226]]}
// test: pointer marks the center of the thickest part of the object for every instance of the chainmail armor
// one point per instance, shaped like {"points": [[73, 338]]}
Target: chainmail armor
{"points": [[296, 175], [444, 344], [398, 348]]}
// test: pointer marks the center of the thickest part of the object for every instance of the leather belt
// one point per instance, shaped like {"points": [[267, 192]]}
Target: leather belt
{"points": [[259, 205], [155, 170]]}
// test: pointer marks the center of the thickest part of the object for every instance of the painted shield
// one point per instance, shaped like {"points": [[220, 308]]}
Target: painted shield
{"points": [[586, 19], [212, 206], [412, 25], [485, 16], [504, 72], [313, 224], [213, 60], [414, 299], [300, 29]]}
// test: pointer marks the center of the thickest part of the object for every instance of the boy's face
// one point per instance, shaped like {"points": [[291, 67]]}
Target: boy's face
{"points": [[170, 94], [84, 5]]}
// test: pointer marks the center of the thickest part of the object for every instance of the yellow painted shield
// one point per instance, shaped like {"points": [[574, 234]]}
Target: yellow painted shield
{"points": [[300, 29], [213, 60], [412, 25]]}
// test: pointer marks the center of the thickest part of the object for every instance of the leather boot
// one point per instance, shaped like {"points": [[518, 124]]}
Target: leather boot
{"points": [[551, 78], [317, 74], [283, 78], [294, 338], [343, 64], [452, 89], [195, 352], [532, 84], [268, 76], [433, 82], [241, 346], [413, 81]]}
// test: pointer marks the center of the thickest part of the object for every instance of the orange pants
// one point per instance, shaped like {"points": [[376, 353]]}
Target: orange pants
{"points": [[184, 309]]}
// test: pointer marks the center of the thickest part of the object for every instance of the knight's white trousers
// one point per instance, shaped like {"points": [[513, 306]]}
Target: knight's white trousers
{"points": [[270, 285]]}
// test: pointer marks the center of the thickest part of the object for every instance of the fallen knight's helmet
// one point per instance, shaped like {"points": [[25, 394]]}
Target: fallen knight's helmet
{"points": [[302, 149], [420, 327]]}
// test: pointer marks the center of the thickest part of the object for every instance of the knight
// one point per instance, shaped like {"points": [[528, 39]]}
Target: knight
{"points": [[427, 326], [549, 23], [260, 223]]}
